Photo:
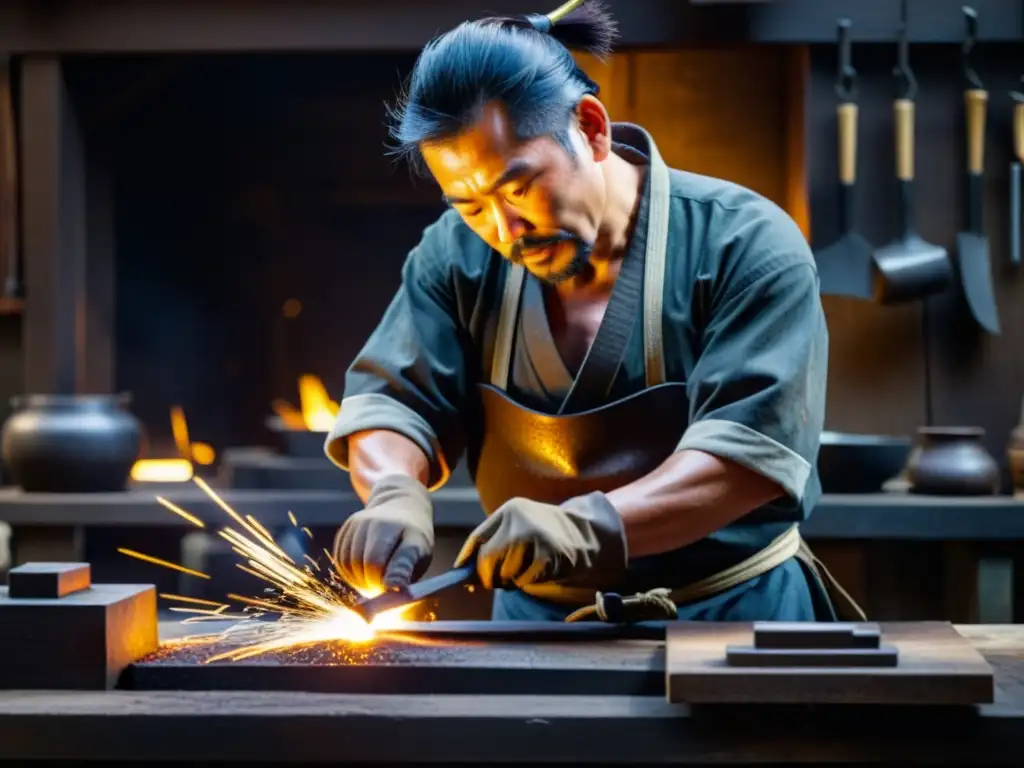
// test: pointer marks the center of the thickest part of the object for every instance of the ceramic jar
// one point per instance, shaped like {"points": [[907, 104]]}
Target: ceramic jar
{"points": [[952, 461], [70, 443]]}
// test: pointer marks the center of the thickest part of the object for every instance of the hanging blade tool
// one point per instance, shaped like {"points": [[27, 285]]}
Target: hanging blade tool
{"points": [[908, 268], [972, 245], [845, 266], [414, 593]]}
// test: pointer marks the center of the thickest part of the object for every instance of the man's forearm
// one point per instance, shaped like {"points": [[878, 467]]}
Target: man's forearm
{"points": [[379, 452], [691, 495]]}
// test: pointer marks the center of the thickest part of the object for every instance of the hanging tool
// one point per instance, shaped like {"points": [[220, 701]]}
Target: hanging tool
{"points": [[971, 244], [908, 268], [414, 593], [1015, 173], [845, 267]]}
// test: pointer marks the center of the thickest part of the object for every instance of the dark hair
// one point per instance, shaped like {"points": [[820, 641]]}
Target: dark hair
{"points": [[532, 73]]}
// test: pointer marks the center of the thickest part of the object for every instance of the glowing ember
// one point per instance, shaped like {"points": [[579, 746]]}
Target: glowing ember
{"points": [[162, 471], [310, 602], [316, 411], [178, 470]]}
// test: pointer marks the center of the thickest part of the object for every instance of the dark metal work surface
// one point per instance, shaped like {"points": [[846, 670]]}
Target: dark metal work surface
{"points": [[237, 726], [867, 516], [28, 26], [417, 666]]}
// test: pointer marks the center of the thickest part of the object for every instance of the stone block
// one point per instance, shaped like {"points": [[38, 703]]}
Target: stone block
{"points": [[81, 641], [48, 579]]}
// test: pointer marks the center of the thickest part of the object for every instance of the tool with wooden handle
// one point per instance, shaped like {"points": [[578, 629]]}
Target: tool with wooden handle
{"points": [[845, 266], [908, 268], [971, 244]]}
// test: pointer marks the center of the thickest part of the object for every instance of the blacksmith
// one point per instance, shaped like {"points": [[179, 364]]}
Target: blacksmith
{"points": [[631, 358]]}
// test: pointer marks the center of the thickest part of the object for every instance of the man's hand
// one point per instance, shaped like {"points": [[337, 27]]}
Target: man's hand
{"points": [[525, 542], [389, 543]]}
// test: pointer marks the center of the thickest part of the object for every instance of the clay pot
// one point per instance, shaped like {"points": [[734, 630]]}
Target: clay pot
{"points": [[70, 443], [951, 461]]}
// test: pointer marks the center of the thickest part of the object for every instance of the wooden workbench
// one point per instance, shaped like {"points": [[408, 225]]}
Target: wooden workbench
{"points": [[297, 727]]}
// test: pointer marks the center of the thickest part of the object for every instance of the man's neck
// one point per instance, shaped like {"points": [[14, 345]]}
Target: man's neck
{"points": [[623, 182]]}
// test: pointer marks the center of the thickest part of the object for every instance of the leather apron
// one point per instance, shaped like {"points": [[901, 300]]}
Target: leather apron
{"points": [[601, 445]]}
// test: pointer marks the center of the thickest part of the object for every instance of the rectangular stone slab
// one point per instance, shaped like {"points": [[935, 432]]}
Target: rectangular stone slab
{"points": [[51, 580], [417, 666], [936, 666], [82, 641]]}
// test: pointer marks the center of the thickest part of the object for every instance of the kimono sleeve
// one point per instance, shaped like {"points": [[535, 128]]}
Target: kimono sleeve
{"points": [[757, 389], [410, 375]]}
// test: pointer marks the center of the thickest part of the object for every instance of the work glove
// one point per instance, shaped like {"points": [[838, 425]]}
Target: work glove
{"points": [[389, 543], [582, 543]]}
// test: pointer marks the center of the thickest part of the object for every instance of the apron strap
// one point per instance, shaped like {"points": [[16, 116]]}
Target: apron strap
{"points": [[654, 270], [507, 326], [653, 265]]}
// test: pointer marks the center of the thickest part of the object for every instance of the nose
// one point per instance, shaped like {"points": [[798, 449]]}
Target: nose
{"points": [[508, 226]]}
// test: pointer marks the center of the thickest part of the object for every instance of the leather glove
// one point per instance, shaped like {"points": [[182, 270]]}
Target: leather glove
{"points": [[389, 543], [525, 542]]}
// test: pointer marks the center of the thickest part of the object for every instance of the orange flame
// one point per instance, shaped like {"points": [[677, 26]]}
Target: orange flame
{"points": [[316, 411]]}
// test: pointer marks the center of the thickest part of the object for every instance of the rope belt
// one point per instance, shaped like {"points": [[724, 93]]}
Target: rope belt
{"points": [[662, 603]]}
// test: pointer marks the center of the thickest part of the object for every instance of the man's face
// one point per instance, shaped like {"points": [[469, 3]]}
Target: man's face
{"points": [[530, 201]]}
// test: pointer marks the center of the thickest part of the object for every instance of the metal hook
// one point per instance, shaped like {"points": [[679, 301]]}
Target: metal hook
{"points": [[846, 81], [907, 83], [970, 40]]}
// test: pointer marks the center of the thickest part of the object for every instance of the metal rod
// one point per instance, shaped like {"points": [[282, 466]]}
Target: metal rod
{"points": [[846, 80]]}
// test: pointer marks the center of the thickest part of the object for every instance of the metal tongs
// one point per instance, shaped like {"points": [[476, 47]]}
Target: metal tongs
{"points": [[414, 593]]}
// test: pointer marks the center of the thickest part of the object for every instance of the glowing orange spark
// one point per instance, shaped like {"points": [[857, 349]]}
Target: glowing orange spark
{"points": [[180, 512], [195, 600], [308, 607], [164, 563]]}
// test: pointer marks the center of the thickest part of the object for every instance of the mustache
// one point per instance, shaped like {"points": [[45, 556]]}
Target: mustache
{"points": [[533, 242]]}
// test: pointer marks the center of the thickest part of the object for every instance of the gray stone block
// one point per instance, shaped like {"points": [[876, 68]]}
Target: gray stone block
{"points": [[82, 641]]}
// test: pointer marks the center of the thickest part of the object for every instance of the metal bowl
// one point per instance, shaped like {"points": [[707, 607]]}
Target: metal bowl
{"points": [[851, 463]]}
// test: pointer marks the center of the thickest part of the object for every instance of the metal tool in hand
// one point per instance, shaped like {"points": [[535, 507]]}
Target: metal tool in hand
{"points": [[971, 244], [414, 593], [908, 268], [845, 267]]}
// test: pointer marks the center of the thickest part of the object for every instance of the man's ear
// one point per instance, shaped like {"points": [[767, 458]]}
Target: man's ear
{"points": [[596, 126]]}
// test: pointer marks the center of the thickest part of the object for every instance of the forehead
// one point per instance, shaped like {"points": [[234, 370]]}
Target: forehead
{"points": [[481, 152]]}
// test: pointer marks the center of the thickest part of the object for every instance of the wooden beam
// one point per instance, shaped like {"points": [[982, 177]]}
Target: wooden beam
{"points": [[53, 223], [121, 26], [10, 294], [68, 241]]}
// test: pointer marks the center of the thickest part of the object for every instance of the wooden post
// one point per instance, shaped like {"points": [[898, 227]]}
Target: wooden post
{"points": [[53, 223], [67, 225]]}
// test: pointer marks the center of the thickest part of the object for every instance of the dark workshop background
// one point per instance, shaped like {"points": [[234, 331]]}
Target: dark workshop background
{"points": [[260, 228], [243, 182]]}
